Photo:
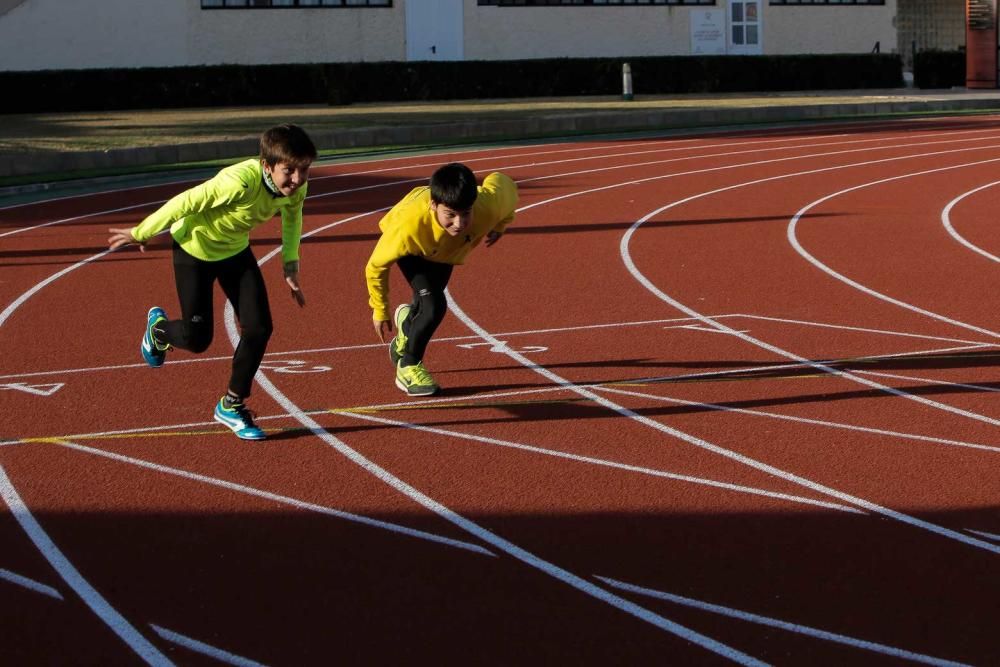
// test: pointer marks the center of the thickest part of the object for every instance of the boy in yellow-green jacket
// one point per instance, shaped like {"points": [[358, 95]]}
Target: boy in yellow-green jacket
{"points": [[426, 234], [210, 225]]}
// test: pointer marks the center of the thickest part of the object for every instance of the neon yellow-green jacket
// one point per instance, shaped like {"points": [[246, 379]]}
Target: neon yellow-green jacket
{"points": [[410, 229], [212, 221]]}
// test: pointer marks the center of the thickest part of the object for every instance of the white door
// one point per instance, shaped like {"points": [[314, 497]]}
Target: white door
{"points": [[434, 30], [745, 29]]}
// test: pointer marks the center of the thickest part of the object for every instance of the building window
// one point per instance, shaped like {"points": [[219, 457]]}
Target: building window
{"points": [[591, 3], [286, 4]]}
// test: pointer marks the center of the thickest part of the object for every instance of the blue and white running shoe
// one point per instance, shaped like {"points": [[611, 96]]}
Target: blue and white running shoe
{"points": [[239, 419], [154, 353]]}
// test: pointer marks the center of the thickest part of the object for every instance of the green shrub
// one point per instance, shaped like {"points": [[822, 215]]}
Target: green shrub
{"points": [[343, 83]]}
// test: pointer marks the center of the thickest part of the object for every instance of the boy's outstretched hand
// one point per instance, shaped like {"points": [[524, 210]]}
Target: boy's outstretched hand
{"points": [[492, 237], [293, 283], [383, 328], [120, 237]]}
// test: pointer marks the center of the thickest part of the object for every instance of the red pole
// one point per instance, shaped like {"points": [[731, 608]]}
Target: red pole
{"points": [[980, 44]]}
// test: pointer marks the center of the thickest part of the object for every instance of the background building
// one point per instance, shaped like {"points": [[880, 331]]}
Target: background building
{"points": [[56, 34]]}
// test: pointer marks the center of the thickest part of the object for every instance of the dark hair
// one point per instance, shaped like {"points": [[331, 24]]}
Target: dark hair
{"points": [[286, 143], [454, 185]]}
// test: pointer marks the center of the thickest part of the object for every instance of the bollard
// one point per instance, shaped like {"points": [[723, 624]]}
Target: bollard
{"points": [[627, 82]]}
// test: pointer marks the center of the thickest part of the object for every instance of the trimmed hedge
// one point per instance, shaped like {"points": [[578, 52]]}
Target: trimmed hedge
{"points": [[343, 83], [939, 69]]}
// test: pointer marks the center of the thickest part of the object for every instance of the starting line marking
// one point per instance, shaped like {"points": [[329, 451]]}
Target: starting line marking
{"points": [[528, 332]]}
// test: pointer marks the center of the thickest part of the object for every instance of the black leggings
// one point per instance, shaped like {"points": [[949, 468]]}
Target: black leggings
{"points": [[428, 280], [242, 283]]}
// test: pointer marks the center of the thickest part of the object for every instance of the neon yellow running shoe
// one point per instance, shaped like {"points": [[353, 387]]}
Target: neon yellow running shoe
{"points": [[415, 380], [398, 344]]}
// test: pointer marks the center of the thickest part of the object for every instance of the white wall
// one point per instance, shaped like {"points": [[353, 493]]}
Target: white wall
{"points": [[56, 34], [829, 29], [81, 34], [254, 36], [560, 32]]}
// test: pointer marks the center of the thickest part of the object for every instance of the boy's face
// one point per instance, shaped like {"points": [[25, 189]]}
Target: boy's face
{"points": [[287, 177], [454, 221]]}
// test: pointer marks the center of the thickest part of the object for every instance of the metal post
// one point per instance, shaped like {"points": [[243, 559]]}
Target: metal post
{"points": [[627, 82]]}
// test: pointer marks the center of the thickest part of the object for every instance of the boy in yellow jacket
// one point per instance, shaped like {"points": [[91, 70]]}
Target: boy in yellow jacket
{"points": [[426, 234], [210, 225]]}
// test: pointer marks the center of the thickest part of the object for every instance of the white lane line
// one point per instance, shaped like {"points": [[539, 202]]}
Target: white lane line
{"points": [[203, 648], [781, 625], [843, 327], [913, 378], [792, 418], [284, 500], [18, 230], [30, 584], [328, 164], [750, 370], [989, 536], [121, 627], [645, 282], [584, 327], [506, 546], [552, 162], [482, 400], [708, 446], [794, 241], [349, 348], [604, 462], [494, 540], [754, 163], [9, 310], [946, 221]]}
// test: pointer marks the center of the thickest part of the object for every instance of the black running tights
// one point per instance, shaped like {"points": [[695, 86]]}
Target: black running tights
{"points": [[242, 283], [428, 280]]}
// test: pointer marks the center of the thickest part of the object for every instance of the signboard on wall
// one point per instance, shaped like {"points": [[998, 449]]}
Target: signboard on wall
{"points": [[980, 44], [708, 32]]}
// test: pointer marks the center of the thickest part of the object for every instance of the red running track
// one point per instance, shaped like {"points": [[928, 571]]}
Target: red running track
{"points": [[723, 398]]}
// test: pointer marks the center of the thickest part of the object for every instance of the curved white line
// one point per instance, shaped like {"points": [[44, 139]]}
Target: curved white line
{"points": [[782, 625], [203, 648], [278, 498], [716, 449], [638, 275], [506, 546], [30, 584], [74, 579], [334, 161], [591, 460], [793, 240], [539, 164], [946, 221]]}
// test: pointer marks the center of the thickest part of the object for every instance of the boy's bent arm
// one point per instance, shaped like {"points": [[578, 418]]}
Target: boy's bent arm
{"points": [[217, 191], [502, 192], [291, 230], [387, 251]]}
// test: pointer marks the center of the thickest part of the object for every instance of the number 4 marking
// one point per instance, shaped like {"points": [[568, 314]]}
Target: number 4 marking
{"points": [[36, 389]]}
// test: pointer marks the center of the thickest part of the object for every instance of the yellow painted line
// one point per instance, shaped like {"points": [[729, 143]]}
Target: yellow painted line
{"points": [[129, 436], [441, 406]]}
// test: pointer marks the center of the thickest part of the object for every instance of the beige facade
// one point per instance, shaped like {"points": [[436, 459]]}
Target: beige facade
{"points": [[84, 34], [830, 29], [58, 34]]}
